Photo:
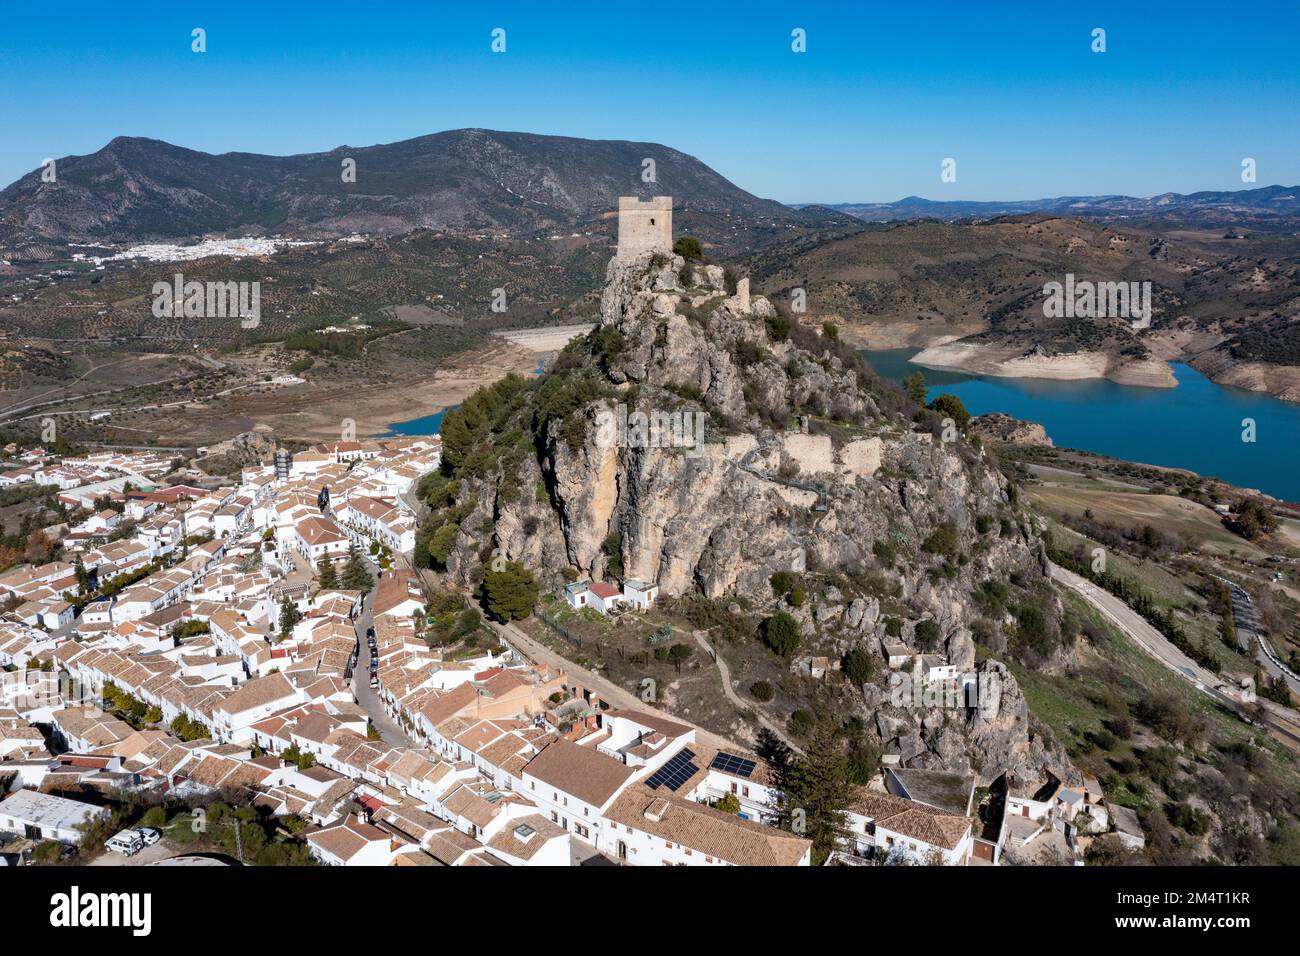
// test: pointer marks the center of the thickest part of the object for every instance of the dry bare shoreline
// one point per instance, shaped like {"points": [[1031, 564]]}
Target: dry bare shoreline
{"points": [[1014, 362], [949, 351]]}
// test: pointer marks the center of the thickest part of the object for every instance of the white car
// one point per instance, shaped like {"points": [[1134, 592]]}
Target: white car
{"points": [[149, 835], [128, 843]]}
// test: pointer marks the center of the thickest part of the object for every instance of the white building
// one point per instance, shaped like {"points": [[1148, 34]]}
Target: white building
{"points": [[597, 595], [43, 816], [350, 842], [639, 594]]}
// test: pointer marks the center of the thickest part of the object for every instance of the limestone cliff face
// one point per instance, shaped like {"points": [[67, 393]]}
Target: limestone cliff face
{"points": [[762, 495]]}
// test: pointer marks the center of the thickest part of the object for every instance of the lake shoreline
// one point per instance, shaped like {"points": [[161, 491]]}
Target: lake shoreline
{"points": [[1198, 426], [1013, 362], [1207, 354]]}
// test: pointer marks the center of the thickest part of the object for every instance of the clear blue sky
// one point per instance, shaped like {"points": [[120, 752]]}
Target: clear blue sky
{"points": [[883, 94]]}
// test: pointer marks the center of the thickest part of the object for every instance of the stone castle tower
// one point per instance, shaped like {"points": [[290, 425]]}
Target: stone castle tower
{"points": [[644, 225]]}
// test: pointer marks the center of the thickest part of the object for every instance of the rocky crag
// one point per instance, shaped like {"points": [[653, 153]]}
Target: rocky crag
{"points": [[1002, 429], [809, 465]]}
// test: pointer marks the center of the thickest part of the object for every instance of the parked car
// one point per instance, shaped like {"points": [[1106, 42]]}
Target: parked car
{"points": [[149, 835], [374, 681], [128, 843]]}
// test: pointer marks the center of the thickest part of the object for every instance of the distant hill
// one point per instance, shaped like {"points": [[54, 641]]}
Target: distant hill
{"points": [[1250, 207], [460, 181], [979, 285]]}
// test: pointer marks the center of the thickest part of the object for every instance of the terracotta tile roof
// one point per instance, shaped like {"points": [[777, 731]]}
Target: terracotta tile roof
{"points": [[912, 819], [346, 838], [449, 845], [509, 842], [705, 830], [258, 693], [581, 772], [449, 704]]}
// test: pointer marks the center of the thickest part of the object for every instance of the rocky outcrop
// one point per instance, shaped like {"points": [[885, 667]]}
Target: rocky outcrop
{"points": [[1002, 429], [801, 469]]}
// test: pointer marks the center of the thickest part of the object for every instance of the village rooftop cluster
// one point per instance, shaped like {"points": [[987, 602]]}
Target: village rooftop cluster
{"points": [[497, 759]]}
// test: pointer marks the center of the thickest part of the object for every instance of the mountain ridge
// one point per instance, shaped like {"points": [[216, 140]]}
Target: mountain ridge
{"points": [[467, 180], [1274, 200]]}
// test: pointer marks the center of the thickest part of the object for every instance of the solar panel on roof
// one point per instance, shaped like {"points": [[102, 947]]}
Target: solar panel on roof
{"points": [[736, 766], [675, 772]]}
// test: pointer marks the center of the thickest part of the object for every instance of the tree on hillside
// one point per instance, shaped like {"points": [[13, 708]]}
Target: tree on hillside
{"points": [[688, 247], [328, 578], [816, 789], [1253, 519], [781, 634], [510, 593], [457, 441], [441, 543], [914, 386], [356, 576], [858, 665], [950, 406], [466, 428]]}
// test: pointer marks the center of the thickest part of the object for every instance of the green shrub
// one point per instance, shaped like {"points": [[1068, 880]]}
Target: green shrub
{"points": [[950, 406], [859, 665], [688, 247], [927, 635], [778, 327], [781, 634], [943, 541], [802, 722], [782, 582]]}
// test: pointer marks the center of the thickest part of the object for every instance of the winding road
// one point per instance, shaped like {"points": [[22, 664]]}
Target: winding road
{"points": [[1249, 632], [1281, 720]]}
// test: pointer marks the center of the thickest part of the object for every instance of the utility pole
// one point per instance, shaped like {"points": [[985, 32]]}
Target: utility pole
{"points": [[239, 843]]}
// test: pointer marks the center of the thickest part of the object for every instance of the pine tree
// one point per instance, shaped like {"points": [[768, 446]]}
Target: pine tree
{"points": [[289, 616], [329, 578], [817, 789], [356, 576], [914, 386]]}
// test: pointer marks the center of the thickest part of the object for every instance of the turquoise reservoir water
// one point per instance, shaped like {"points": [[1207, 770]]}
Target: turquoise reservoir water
{"points": [[1197, 425], [424, 425], [432, 424]]}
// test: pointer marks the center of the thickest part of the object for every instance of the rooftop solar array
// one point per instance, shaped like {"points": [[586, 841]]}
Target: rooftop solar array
{"points": [[736, 766], [675, 772]]}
